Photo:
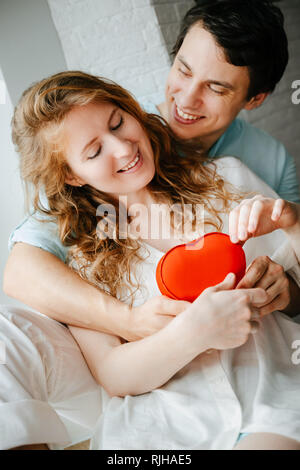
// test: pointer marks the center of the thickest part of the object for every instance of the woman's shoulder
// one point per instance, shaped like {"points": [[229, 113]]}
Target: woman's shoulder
{"points": [[229, 162], [234, 171]]}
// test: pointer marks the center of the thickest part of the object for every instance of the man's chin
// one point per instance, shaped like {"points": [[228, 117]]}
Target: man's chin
{"points": [[186, 134]]}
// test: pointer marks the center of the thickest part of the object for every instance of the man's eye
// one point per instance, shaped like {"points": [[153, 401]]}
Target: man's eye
{"points": [[186, 74], [96, 154], [218, 92], [114, 128]]}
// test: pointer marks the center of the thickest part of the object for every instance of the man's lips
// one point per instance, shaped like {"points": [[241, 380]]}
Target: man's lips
{"points": [[183, 120]]}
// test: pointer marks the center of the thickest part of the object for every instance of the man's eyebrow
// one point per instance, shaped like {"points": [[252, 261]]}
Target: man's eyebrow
{"points": [[91, 142]]}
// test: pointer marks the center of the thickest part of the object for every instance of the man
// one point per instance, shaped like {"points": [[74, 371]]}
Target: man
{"points": [[230, 54]]}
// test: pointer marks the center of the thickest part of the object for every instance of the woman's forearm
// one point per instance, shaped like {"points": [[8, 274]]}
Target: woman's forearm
{"points": [[144, 365], [42, 281], [218, 319]]}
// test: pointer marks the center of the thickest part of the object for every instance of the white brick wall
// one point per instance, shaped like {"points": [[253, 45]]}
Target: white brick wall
{"points": [[118, 39], [169, 14]]}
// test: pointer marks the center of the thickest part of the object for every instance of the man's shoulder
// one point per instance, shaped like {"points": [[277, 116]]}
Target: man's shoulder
{"points": [[242, 129], [263, 154], [247, 136], [253, 146]]}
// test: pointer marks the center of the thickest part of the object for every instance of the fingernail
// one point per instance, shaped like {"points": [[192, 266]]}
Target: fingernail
{"points": [[275, 216], [242, 234]]}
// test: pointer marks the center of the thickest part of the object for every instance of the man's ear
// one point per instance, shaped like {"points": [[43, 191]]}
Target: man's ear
{"points": [[256, 101]]}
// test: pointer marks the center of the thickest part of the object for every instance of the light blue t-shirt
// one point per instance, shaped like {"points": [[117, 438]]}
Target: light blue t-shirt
{"points": [[260, 152], [264, 155]]}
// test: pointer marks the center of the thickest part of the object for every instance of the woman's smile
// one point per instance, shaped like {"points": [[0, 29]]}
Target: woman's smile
{"points": [[134, 165]]}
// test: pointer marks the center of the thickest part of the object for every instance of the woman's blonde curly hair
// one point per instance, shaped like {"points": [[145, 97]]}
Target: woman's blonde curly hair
{"points": [[182, 175]]}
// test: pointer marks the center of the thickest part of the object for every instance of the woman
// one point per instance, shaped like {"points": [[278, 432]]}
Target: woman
{"points": [[85, 143], [198, 90]]}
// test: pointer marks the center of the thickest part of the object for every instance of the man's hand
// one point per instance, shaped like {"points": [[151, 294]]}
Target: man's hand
{"points": [[270, 276]]}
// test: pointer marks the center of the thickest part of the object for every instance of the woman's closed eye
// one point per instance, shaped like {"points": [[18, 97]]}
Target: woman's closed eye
{"points": [[96, 154], [113, 128], [121, 120]]}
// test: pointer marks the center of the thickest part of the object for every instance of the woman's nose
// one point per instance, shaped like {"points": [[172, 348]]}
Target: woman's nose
{"points": [[119, 148]]}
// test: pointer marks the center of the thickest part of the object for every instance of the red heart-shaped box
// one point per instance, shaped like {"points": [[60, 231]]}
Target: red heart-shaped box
{"points": [[186, 270]]}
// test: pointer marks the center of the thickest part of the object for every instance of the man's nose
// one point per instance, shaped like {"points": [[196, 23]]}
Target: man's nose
{"points": [[192, 97]]}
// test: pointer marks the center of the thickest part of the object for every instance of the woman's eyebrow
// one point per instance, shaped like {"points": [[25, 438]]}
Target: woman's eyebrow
{"points": [[181, 59], [91, 142]]}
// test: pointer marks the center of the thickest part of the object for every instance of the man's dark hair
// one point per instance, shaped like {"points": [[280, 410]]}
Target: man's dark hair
{"points": [[250, 32]]}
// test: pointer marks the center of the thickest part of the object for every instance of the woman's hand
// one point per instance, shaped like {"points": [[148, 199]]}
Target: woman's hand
{"points": [[225, 316], [270, 276], [153, 315], [261, 215]]}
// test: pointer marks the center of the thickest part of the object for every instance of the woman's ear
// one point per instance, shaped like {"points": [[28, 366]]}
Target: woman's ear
{"points": [[73, 180], [256, 101]]}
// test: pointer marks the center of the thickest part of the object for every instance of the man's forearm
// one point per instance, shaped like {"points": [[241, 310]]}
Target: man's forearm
{"points": [[52, 288], [293, 309]]}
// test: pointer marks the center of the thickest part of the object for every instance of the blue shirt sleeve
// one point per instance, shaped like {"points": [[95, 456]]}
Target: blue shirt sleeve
{"points": [[149, 107], [43, 235]]}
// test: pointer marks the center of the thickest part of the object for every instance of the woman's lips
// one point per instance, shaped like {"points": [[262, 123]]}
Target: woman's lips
{"points": [[135, 167], [182, 120]]}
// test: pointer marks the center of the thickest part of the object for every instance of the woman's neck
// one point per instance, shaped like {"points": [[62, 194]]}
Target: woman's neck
{"points": [[143, 197]]}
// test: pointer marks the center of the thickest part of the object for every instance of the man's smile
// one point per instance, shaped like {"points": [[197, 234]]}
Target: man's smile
{"points": [[185, 118]]}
